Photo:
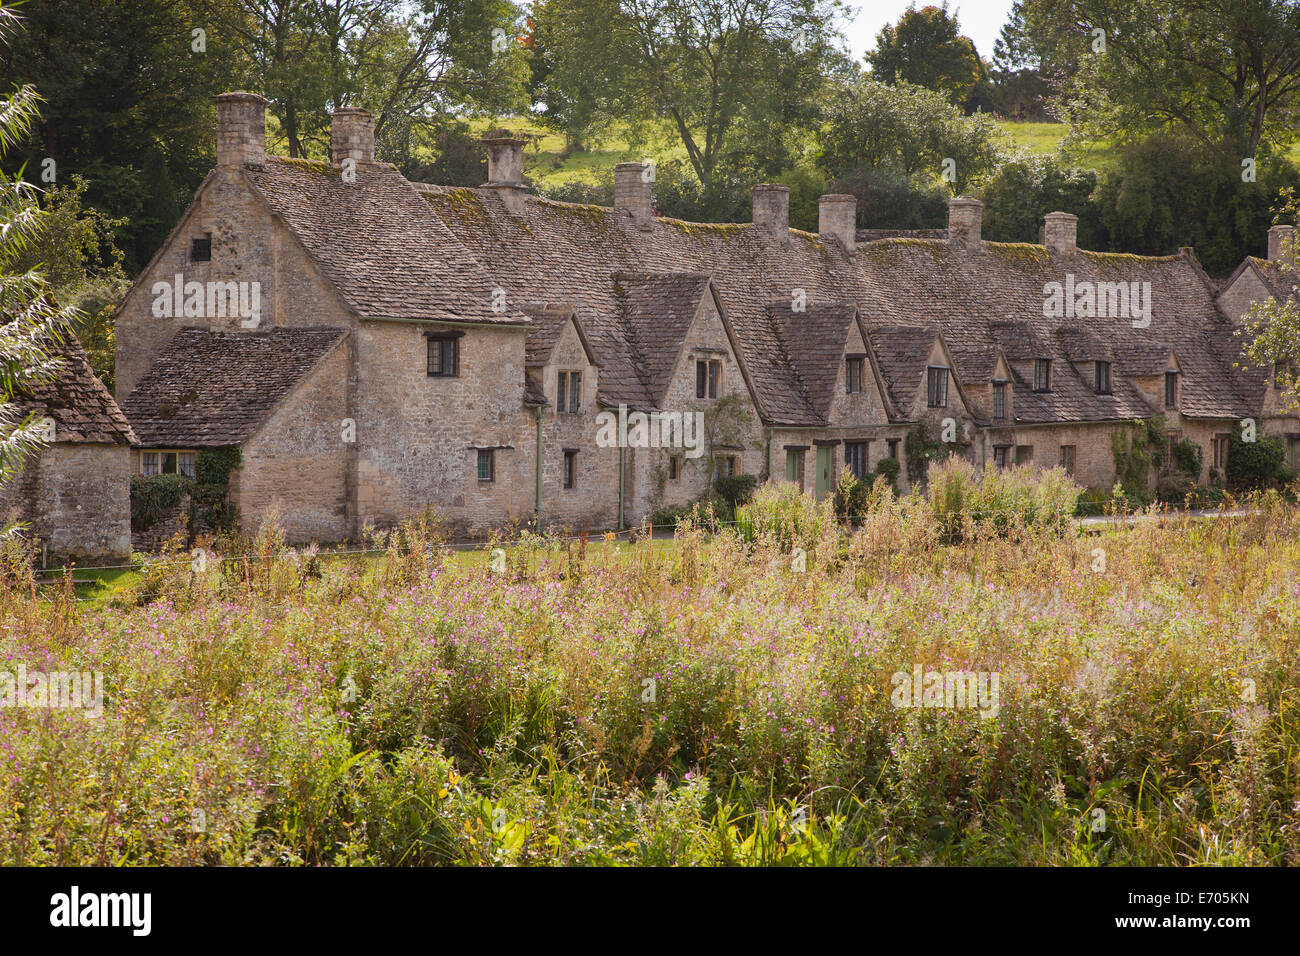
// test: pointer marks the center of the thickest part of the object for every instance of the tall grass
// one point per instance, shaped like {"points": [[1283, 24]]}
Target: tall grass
{"points": [[714, 702]]}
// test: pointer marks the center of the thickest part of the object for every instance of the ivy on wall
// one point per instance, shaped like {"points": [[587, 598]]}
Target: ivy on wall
{"points": [[155, 498]]}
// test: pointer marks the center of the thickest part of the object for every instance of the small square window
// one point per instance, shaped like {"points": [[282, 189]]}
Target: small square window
{"points": [[149, 464], [674, 467], [486, 464], [201, 250], [185, 463], [570, 468], [1067, 458], [893, 448], [1000, 455], [443, 357]]}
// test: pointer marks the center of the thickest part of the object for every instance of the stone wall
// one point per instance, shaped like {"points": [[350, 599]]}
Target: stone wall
{"points": [[77, 500]]}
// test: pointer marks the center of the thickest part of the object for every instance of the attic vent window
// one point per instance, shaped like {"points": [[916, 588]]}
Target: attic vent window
{"points": [[1171, 389], [937, 390], [201, 250], [1042, 375]]}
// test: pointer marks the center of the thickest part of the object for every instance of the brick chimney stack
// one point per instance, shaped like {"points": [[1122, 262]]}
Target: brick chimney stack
{"points": [[633, 191], [352, 136], [837, 217], [241, 129]]}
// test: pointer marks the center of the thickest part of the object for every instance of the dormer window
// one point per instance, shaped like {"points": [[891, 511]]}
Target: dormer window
{"points": [[708, 378], [937, 387], [201, 249], [1042, 375], [999, 401], [1171, 389], [1101, 378], [853, 374], [568, 392]]}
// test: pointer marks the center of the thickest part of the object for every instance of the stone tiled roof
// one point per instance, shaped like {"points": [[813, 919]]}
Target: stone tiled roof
{"points": [[546, 322], [978, 300], [379, 243], [657, 310], [814, 340], [213, 389], [81, 406], [903, 352]]}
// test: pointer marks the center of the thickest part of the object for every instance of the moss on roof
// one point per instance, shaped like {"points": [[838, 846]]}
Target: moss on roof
{"points": [[702, 230], [314, 166]]}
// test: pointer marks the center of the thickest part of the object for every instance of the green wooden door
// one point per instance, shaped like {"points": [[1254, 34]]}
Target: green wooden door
{"points": [[823, 470]]}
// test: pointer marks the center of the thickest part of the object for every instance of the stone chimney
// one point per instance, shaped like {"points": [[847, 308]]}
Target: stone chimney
{"points": [[965, 219], [1281, 243], [1061, 233], [505, 161], [506, 170], [241, 129], [837, 215], [633, 187], [352, 136], [772, 210]]}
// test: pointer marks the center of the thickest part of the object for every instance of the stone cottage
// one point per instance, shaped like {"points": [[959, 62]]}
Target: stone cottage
{"points": [[74, 494], [376, 347]]}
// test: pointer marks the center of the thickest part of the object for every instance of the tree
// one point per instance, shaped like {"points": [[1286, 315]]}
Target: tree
{"points": [[126, 105], [925, 47], [1024, 191], [416, 65], [911, 130], [737, 84], [31, 327], [1225, 71]]}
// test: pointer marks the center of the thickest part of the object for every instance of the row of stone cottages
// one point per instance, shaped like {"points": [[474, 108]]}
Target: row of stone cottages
{"points": [[375, 346]]}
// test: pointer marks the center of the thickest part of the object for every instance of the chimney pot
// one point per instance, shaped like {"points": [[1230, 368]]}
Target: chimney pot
{"points": [[837, 215], [632, 194], [772, 210], [965, 219], [241, 129], [1061, 233], [1281, 243], [352, 136]]}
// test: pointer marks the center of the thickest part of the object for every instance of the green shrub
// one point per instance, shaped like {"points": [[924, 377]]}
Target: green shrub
{"points": [[1255, 465]]}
